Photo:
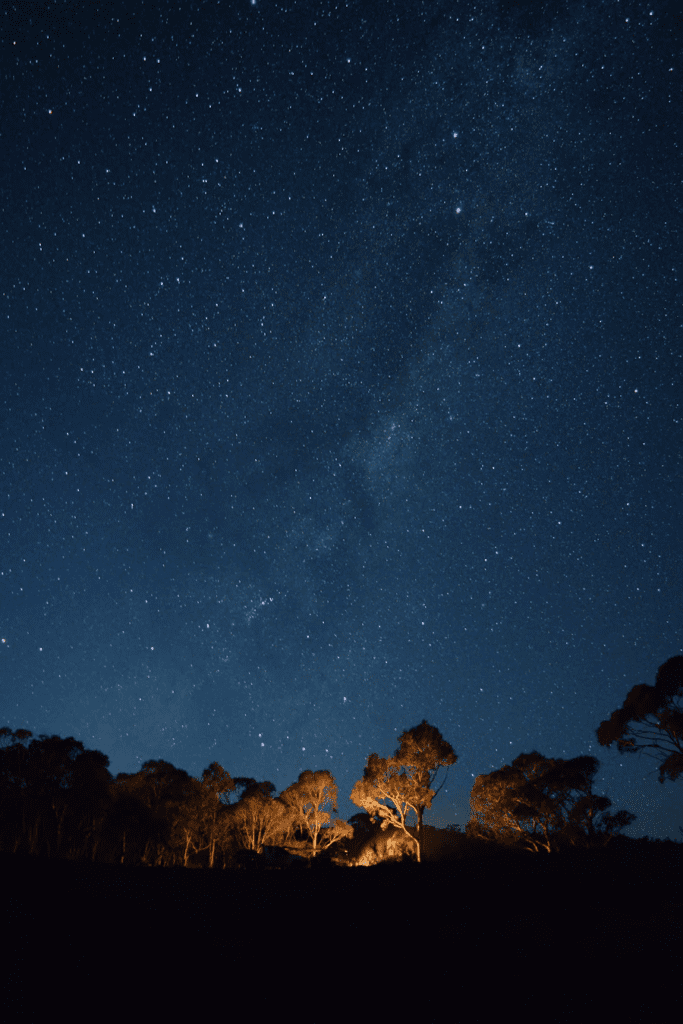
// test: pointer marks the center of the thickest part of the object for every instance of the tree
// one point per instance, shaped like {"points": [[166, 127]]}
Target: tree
{"points": [[582, 817], [131, 826], [89, 802], [424, 748], [388, 779], [307, 800], [216, 787], [200, 820], [54, 792], [16, 814], [257, 820], [542, 802], [166, 791], [56, 772], [498, 809], [247, 786], [9, 738], [651, 719]]}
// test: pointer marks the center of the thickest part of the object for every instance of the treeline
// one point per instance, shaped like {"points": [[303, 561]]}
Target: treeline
{"points": [[59, 799]]}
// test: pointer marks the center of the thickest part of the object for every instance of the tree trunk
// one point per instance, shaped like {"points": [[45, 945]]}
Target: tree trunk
{"points": [[420, 813], [415, 840]]}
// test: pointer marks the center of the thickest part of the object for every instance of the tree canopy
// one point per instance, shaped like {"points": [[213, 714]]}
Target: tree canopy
{"points": [[258, 820], [426, 751], [651, 720], [307, 800], [541, 802], [389, 791]]}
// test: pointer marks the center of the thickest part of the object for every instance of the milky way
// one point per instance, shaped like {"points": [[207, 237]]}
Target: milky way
{"points": [[341, 362]]}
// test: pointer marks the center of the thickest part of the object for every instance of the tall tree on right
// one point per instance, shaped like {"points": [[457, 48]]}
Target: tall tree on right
{"points": [[651, 719]]}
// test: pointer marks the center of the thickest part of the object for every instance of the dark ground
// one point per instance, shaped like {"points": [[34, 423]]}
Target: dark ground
{"points": [[136, 936]]}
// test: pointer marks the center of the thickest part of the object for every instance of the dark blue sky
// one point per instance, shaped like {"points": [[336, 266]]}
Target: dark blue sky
{"points": [[341, 382]]}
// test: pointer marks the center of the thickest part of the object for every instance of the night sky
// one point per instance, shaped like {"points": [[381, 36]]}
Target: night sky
{"points": [[340, 382]]}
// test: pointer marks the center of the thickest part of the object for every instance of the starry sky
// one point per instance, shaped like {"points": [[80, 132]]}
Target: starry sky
{"points": [[340, 382]]}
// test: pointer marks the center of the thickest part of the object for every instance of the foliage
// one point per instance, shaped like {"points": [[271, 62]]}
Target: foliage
{"points": [[216, 780], [387, 782], [424, 749], [167, 793], [53, 793], [247, 786], [258, 820], [543, 803], [201, 821], [307, 800], [651, 719], [58, 799]]}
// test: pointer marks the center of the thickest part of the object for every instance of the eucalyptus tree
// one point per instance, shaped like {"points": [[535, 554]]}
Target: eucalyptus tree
{"points": [[308, 800], [426, 751], [389, 791], [651, 721]]}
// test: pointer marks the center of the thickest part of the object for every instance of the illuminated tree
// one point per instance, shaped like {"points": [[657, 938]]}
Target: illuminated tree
{"points": [[499, 811], [216, 787], [387, 782], [425, 750], [541, 802], [307, 800], [257, 820], [651, 719]]}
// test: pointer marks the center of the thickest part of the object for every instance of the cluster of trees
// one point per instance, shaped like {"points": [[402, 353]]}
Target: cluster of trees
{"points": [[542, 803], [58, 799]]}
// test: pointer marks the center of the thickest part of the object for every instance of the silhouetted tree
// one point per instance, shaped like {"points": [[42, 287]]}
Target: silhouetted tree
{"points": [[16, 815], [651, 719], [424, 748], [542, 802], [166, 791], [387, 779], [131, 826], [9, 738], [362, 824], [54, 793], [89, 803], [307, 800], [246, 786]]}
